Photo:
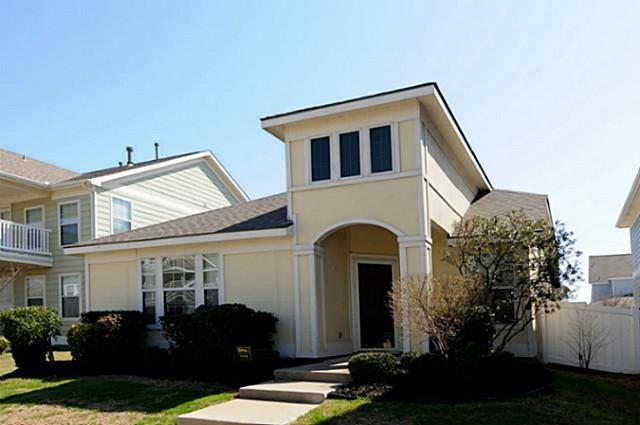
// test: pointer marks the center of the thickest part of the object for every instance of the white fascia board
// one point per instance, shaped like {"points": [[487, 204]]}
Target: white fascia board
{"points": [[183, 240], [207, 156], [631, 206], [24, 180], [270, 124]]}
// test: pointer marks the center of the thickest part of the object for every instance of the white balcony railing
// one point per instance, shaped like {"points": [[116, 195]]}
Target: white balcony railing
{"points": [[22, 238]]}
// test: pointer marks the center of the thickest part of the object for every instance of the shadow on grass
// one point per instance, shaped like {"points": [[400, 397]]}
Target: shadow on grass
{"points": [[113, 393]]}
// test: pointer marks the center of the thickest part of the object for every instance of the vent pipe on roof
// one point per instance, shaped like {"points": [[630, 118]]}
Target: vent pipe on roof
{"points": [[119, 163], [157, 146], [129, 156]]}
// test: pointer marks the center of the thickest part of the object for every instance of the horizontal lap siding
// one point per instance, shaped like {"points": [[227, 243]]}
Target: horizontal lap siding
{"points": [[61, 263], [192, 189], [635, 254]]}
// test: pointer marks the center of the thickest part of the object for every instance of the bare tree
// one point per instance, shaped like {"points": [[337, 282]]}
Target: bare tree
{"points": [[587, 337], [440, 307], [8, 275]]}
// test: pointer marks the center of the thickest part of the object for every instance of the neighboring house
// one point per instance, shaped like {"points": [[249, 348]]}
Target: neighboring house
{"points": [[45, 208], [374, 188], [610, 277], [630, 219]]}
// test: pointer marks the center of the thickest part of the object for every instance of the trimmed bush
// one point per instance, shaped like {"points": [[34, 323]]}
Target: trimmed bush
{"points": [[108, 340], [4, 344], [30, 330], [204, 343], [367, 368]]}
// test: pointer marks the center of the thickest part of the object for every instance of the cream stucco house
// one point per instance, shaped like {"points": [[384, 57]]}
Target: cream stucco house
{"points": [[374, 187]]}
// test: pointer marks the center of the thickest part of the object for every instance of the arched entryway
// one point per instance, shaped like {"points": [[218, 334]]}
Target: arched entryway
{"points": [[358, 263]]}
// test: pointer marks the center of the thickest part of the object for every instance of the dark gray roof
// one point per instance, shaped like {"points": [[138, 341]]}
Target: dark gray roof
{"points": [[501, 202], [605, 267], [111, 170], [32, 169], [264, 213]]}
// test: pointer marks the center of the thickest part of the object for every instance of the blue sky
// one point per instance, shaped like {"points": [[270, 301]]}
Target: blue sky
{"points": [[547, 92]]}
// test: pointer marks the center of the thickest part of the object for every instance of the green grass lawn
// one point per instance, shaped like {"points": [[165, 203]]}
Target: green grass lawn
{"points": [[574, 398], [109, 400]]}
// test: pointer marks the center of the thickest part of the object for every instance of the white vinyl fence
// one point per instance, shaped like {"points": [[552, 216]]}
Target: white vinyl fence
{"points": [[616, 330]]}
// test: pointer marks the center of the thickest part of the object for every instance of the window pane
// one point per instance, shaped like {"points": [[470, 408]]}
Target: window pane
{"points": [[350, 154], [68, 234], [71, 307], [149, 306], [178, 272], [320, 159], [380, 149], [210, 270], [68, 213], [503, 305], [35, 288], [121, 225], [179, 302], [70, 286], [210, 297], [148, 273], [121, 209], [34, 217], [35, 302]]}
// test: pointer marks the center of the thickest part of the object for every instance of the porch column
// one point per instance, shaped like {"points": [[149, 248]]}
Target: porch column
{"points": [[307, 275], [415, 260]]}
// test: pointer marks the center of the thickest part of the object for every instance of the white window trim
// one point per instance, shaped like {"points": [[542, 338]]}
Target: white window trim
{"points": [[395, 149], [60, 295], [360, 154], [60, 204], [35, 207], [111, 216], [309, 163], [26, 288], [159, 288], [365, 154]]}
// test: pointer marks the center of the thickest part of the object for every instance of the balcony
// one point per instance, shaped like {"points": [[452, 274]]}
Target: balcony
{"points": [[21, 243]]}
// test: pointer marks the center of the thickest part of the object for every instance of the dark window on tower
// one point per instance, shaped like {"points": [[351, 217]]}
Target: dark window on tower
{"points": [[349, 154], [380, 149], [320, 159]]}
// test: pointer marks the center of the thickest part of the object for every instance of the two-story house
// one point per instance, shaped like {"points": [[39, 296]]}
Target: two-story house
{"points": [[44, 208], [374, 186], [630, 219]]}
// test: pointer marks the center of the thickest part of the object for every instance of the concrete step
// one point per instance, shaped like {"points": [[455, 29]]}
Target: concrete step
{"points": [[330, 371], [289, 391], [247, 412]]}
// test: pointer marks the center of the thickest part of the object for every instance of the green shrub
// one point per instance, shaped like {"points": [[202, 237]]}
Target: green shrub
{"points": [[204, 343], [372, 367], [108, 340], [30, 330], [4, 344]]}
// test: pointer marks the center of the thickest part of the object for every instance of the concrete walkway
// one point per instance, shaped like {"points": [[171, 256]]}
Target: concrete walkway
{"points": [[294, 392]]}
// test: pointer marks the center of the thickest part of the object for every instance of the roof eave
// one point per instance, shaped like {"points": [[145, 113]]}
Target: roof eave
{"points": [[178, 240], [631, 208]]}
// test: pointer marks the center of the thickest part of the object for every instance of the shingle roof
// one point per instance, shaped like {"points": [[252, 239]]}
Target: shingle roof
{"points": [[501, 202], [261, 214], [29, 168], [605, 267], [111, 170]]}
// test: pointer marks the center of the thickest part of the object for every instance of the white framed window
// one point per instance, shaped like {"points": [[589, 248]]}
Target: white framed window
{"points": [[68, 222], [149, 288], [121, 215], [34, 216], [210, 279], [35, 288], [175, 285], [69, 295], [320, 158], [179, 284], [349, 145]]}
